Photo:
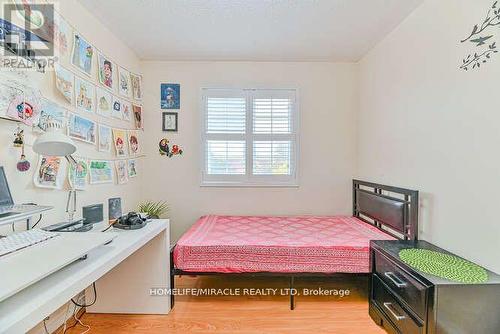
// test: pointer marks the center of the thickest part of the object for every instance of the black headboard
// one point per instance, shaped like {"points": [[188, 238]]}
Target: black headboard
{"points": [[395, 212]]}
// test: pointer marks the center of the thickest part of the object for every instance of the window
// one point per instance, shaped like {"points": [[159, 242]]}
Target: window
{"points": [[250, 137]]}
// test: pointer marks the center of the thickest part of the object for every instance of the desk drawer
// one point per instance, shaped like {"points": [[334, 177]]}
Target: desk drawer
{"points": [[411, 291], [392, 310]]}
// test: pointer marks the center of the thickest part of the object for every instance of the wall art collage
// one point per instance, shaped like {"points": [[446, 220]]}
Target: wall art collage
{"points": [[90, 103], [170, 99]]}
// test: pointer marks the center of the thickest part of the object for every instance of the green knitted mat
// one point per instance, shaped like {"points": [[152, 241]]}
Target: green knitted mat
{"points": [[443, 265]]}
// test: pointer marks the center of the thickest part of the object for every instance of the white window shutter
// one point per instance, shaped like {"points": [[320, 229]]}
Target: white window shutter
{"points": [[226, 115], [250, 137]]}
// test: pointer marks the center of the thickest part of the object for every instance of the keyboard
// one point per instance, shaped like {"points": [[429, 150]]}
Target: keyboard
{"points": [[15, 207], [20, 240]]}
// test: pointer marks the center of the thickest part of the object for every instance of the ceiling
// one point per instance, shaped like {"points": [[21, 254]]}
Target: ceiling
{"points": [[251, 30]]}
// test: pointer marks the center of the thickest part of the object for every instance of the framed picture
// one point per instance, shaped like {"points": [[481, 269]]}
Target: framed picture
{"points": [[114, 208], [81, 128], [170, 96], [82, 54], [169, 122]]}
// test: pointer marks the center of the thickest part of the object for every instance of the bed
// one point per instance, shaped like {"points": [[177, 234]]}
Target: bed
{"points": [[298, 245]]}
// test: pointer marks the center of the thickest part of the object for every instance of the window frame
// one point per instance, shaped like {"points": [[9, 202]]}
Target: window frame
{"points": [[249, 179]]}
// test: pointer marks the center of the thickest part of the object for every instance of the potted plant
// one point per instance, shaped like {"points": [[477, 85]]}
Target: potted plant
{"points": [[154, 209]]}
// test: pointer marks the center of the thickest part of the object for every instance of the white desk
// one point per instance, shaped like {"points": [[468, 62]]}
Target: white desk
{"points": [[124, 272]]}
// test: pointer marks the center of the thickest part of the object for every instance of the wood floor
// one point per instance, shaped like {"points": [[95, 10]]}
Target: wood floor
{"points": [[251, 314]]}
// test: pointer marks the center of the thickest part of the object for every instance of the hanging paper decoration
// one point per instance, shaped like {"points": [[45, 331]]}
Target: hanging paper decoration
{"points": [[25, 109], [64, 82], [169, 150], [19, 137], [78, 174], [49, 173], [23, 165], [121, 171]]}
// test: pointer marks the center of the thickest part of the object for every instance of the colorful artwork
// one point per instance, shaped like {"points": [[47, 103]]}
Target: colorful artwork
{"points": [[62, 35], [50, 113], [124, 82], [101, 171], [104, 102], [82, 54], [105, 138], [85, 93], [78, 175], [105, 71], [136, 83], [25, 108], [133, 142], [132, 168], [168, 150], [137, 110], [81, 128], [116, 110], [120, 141], [49, 173], [170, 96], [7, 94], [64, 82], [121, 171], [126, 110]]}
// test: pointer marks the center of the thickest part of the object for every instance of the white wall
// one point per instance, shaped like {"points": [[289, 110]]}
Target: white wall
{"points": [[21, 184], [425, 124], [327, 139]]}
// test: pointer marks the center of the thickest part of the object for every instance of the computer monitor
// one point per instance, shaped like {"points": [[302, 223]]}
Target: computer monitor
{"points": [[5, 195]]}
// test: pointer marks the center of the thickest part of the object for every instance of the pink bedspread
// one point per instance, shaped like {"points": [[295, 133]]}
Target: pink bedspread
{"points": [[235, 244]]}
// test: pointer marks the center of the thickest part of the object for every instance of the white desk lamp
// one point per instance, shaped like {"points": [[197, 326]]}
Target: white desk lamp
{"points": [[54, 143]]}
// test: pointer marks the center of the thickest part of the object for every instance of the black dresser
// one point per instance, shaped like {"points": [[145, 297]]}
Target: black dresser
{"points": [[406, 301]]}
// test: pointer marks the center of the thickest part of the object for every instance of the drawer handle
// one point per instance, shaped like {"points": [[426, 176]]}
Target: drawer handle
{"points": [[396, 316], [394, 279]]}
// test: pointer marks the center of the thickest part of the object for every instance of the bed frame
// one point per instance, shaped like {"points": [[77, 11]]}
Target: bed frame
{"points": [[391, 209]]}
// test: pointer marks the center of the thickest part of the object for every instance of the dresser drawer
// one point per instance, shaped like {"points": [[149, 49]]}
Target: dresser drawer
{"points": [[393, 310], [408, 289]]}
